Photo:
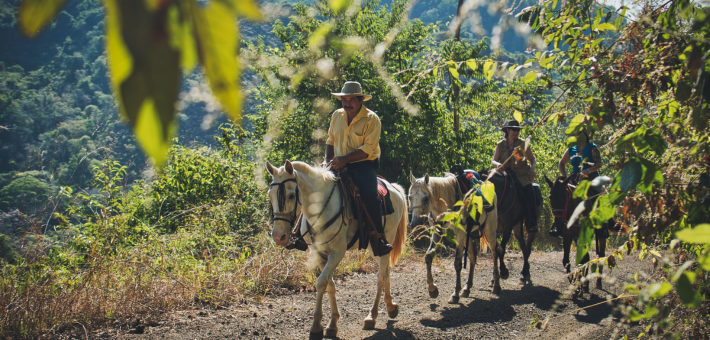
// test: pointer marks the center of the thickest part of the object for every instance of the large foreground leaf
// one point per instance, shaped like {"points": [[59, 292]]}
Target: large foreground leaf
{"points": [[218, 39], [34, 15]]}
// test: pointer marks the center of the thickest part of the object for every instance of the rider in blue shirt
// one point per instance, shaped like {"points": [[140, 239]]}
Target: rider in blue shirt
{"points": [[585, 165]]}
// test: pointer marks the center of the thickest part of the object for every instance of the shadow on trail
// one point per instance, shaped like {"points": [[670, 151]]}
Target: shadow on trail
{"points": [[391, 333], [593, 314], [498, 309]]}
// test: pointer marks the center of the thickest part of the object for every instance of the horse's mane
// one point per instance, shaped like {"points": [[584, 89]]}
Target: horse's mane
{"points": [[320, 170], [441, 190]]}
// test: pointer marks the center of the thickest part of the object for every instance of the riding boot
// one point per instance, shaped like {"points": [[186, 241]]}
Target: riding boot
{"points": [[531, 205], [377, 237]]}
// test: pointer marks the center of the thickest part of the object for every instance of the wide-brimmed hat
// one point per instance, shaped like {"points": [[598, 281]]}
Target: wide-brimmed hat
{"points": [[513, 124], [351, 88]]}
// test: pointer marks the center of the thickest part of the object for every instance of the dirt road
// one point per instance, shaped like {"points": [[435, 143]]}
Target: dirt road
{"points": [[482, 316]]}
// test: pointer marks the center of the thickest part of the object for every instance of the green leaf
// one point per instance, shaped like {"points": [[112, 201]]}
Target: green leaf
{"points": [[146, 91], [585, 239], [530, 77], [654, 139], [317, 38], [659, 289], [448, 217], [630, 175], [518, 116], [337, 5], [581, 190], [488, 69], [149, 132], [488, 190], [699, 234], [686, 293], [218, 41], [472, 64], [452, 70], [607, 26], [35, 15], [575, 125], [247, 8], [182, 37], [450, 236]]}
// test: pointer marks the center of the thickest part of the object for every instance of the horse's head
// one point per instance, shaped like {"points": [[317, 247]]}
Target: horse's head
{"points": [[419, 199], [560, 201], [285, 204]]}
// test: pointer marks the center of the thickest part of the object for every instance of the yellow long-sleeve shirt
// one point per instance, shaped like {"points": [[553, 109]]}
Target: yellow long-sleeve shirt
{"points": [[363, 133]]}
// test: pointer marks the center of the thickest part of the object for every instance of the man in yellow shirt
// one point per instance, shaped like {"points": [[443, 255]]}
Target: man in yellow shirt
{"points": [[354, 141]]}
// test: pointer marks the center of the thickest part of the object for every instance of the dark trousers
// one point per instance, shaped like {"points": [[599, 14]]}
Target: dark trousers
{"points": [[364, 174]]}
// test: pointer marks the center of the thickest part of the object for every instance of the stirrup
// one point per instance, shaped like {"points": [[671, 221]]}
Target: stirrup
{"points": [[379, 244]]}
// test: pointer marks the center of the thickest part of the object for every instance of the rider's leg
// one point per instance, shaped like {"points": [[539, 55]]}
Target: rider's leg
{"points": [[366, 179], [530, 205]]}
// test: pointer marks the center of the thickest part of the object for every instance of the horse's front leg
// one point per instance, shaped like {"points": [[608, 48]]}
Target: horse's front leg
{"points": [[383, 283], [332, 330], [429, 258], [473, 256], [601, 252], [457, 266], [324, 280], [566, 245], [501, 255], [526, 248]]}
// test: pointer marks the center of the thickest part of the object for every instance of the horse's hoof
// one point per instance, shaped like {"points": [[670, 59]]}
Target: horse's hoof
{"points": [[599, 284], [585, 288], [315, 336], [504, 274], [393, 314], [435, 293], [369, 324], [453, 299], [490, 285], [496, 290], [331, 333], [465, 293], [567, 267]]}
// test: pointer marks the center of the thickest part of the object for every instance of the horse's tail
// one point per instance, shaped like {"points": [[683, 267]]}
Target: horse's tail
{"points": [[401, 238]]}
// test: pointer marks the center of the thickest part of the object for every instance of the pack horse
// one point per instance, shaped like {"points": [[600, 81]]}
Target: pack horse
{"points": [[328, 226]]}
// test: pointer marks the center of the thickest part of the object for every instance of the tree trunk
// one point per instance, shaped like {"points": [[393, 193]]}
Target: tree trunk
{"points": [[457, 37]]}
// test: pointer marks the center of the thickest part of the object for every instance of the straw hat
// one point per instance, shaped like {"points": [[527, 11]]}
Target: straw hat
{"points": [[351, 88], [513, 124]]}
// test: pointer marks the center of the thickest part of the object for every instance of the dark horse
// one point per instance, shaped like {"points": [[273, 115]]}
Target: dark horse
{"points": [[511, 215], [563, 205]]}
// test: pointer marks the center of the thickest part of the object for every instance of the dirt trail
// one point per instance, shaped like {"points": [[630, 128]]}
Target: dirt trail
{"points": [[482, 316]]}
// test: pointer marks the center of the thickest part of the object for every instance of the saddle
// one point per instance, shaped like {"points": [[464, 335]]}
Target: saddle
{"points": [[365, 227]]}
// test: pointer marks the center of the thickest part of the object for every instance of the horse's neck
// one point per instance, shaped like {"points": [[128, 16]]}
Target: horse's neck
{"points": [[449, 195], [320, 209]]}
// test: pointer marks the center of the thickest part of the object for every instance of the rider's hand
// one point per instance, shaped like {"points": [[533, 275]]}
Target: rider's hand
{"points": [[337, 163]]}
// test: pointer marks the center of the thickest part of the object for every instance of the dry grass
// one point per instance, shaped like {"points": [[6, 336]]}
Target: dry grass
{"points": [[150, 279]]}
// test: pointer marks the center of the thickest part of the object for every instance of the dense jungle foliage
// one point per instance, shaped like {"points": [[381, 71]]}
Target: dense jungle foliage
{"points": [[91, 231]]}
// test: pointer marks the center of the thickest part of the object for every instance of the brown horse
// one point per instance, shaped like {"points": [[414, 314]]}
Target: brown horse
{"points": [[563, 205], [511, 215]]}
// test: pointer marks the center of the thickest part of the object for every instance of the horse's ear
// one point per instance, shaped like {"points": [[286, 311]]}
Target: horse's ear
{"points": [[270, 168], [566, 181], [426, 179], [289, 167], [548, 181], [411, 177]]}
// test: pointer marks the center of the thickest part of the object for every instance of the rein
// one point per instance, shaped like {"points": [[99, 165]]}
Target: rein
{"points": [[564, 211], [295, 232]]}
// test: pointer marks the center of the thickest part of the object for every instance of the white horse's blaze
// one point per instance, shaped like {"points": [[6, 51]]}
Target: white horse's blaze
{"points": [[315, 185]]}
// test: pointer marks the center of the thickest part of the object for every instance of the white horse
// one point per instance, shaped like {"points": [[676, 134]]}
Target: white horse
{"points": [[434, 196], [329, 229]]}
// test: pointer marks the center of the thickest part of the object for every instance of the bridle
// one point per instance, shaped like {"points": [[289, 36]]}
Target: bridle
{"points": [[556, 211], [281, 198], [295, 232]]}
